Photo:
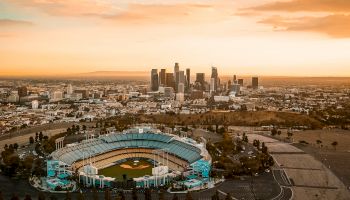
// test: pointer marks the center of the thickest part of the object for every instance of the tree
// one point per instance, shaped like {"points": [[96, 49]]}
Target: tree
{"points": [[175, 197], [107, 194], [228, 197], [31, 140], [84, 127], [161, 195], [15, 146], [274, 131], [290, 134], [14, 197], [41, 196], [36, 137], [134, 194], [215, 196], [189, 196], [27, 197], [122, 195], [80, 196], [68, 196], [148, 194], [94, 194], [41, 136], [334, 144]]}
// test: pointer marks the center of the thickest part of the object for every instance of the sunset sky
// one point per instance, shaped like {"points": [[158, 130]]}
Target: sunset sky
{"points": [[248, 37]]}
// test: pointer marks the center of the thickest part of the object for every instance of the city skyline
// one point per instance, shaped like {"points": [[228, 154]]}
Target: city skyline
{"points": [[263, 38]]}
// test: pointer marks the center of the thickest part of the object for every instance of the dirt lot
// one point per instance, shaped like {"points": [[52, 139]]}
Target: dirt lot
{"points": [[311, 178], [327, 137]]}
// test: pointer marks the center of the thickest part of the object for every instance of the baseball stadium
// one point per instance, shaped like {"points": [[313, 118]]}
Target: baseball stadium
{"points": [[146, 156]]}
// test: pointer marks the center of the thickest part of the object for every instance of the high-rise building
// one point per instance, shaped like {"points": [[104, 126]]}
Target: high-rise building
{"points": [[162, 77], [234, 79], [154, 80], [229, 84], [240, 82], [169, 80], [200, 81], [176, 69], [188, 77], [236, 88], [181, 88], [22, 91], [255, 82], [200, 78], [212, 85], [180, 77], [69, 89], [214, 75]]}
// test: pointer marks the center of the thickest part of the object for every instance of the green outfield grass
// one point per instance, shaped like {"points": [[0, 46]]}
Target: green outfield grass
{"points": [[132, 171]]}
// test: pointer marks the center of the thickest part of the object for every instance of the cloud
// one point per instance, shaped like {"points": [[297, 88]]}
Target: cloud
{"points": [[305, 5], [337, 25], [68, 7], [14, 23], [164, 13]]}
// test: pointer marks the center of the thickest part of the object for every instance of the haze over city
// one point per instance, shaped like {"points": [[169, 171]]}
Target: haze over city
{"points": [[256, 37]]}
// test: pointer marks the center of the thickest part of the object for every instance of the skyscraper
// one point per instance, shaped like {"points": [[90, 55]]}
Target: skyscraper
{"points": [[240, 82], [234, 79], [69, 89], [188, 77], [169, 80], [154, 80], [162, 77], [214, 75], [255, 82], [176, 69], [200, 78], [180, 78], [200, 81]]}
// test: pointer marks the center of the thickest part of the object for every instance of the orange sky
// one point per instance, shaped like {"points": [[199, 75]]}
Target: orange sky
{"points": [[248, 37]]}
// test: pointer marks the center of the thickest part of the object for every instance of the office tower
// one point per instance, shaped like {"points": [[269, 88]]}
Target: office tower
{"points": [[70, 89], [22, 91], [255, 82], [169, 80], [212, 85], [176, 69], [200, 78], [180, 77], [236, 88], [181, 88], [162, 77], [154, 80], [214, 75], [229, 84], [240, 82], [188, 77], [234, 79]]}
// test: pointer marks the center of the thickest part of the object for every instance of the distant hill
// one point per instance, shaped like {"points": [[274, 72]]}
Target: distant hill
{"points": [[115, 73]]}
